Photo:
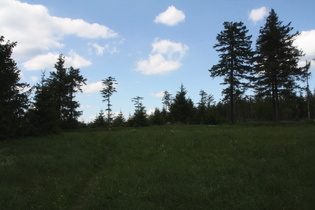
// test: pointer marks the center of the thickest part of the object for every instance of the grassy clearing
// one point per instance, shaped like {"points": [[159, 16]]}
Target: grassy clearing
{"points": [[172, 167]]}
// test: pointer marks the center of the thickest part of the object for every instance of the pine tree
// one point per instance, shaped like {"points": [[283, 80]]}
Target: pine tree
{"points": [[234, 65], [13, 97], [276, 62], [110, 88]]}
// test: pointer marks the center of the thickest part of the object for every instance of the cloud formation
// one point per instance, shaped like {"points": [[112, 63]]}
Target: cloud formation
{"points": [[92, 87], [47, 61], [258, 14], [305, 42], [165, 57], [171, 16], [37, 32]]}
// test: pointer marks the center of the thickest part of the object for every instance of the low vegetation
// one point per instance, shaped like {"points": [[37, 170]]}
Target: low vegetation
{"points": [[257, 166]]}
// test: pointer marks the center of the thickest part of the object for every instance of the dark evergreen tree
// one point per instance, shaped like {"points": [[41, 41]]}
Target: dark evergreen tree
{"points": [[181, 109], [99, 121], [63, 84], [140, 117], [234, 65], [119, 121], [156, 117], [202, 105], [74, 83], [110, 88], [276, 62], [13, 97], [44, 116]]}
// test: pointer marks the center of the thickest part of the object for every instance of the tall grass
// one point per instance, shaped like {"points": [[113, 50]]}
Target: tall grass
{"points": [[171, 167]]}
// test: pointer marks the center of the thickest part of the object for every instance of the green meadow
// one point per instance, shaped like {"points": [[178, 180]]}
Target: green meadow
{"points": [[256, 166]]}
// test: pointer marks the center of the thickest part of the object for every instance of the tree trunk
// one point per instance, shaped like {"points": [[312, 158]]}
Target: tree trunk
{"points": [[232, 96]]}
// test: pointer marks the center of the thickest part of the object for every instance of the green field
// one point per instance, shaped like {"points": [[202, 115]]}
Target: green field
{"points": [[257, 166]]}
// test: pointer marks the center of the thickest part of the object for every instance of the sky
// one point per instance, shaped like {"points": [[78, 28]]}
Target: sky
{"points": [[148, 46]]}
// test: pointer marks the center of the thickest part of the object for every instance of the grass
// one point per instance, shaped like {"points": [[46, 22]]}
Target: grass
{"points": [[259, 166]]}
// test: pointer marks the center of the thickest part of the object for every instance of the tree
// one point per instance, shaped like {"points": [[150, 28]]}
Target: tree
{"points": [[13, 94], [74, 83], [276, 62], [181, 109], [63, 84], [234, 65], [107, 92], [167, 100], [119, 120], [99, 121], [140, 116], [44, 116]]}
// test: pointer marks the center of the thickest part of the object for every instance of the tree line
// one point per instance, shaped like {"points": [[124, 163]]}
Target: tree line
{"points": [[271, 72]]}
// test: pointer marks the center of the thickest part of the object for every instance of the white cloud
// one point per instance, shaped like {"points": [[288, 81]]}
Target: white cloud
{"points": [[258, 14], [37, 32], [166, 56], [305, 42], [171, 16], [92, 87], [158, 94], [99, 50], [47, 61]]}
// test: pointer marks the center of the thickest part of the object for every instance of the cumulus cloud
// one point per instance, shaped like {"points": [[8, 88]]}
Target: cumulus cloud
{"points": [[47, 61], [165, 56], [171, 16], [92, 87], [37, 32], [258, 14], [305, 42]]}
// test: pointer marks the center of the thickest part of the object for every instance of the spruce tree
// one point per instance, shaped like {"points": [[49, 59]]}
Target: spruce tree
{"points": [[276, 62], [140, 116], [13, 97], [74, 83], [110, 88], [181, 109], [44, 115], [234, 65]]}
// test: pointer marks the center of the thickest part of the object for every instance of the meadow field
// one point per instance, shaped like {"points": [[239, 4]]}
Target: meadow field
{"points": [[256, 166]]}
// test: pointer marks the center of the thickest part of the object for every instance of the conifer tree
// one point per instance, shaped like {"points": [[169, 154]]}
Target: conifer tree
{"points": [[110, 88], [13, 97], [276, 62], [181, 109], [234, 65], [63, 84], [140, 116]]}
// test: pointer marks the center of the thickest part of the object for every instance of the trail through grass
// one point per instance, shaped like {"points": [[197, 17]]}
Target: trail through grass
{"points": [[167, 167]]}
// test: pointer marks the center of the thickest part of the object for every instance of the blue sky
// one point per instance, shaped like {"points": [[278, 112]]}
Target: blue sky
{"points": [[149, 46]]}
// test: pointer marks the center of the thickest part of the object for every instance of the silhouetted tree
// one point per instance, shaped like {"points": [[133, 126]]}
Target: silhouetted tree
{"points": [[44, 115], [119, 120], [140, 117], [13, 97], [110, 88], [234, 65], [181, 109], [276, 62], [99, 121], [74, 83]]}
